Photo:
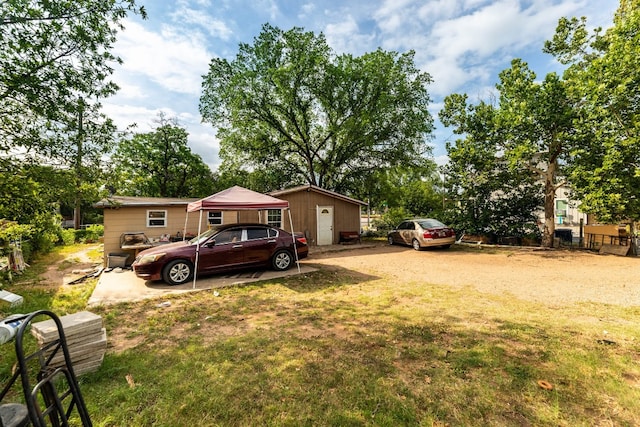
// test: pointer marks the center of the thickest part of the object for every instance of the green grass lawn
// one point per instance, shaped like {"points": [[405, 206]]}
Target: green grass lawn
{"points": [[339, 349]]}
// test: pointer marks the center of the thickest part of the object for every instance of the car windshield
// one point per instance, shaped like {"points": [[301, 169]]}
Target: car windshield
{"points": [[203, 237], [430, 223]]}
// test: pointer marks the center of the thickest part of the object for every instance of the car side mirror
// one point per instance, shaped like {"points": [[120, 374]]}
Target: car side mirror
{"points": [[210, 243]]}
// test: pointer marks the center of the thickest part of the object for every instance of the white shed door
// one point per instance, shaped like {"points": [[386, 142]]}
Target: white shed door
{"points": [[325, 225]]}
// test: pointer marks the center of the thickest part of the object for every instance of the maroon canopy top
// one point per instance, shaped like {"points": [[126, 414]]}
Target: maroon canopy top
{"points": [[236, 199]]}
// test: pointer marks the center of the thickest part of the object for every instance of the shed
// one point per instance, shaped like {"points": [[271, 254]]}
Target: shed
{"points": [[321, 214]]}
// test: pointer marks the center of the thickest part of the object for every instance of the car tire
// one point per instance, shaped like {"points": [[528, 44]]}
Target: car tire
{"points": [[390, 240], [416, 244], [177, 272], [282, 260]]}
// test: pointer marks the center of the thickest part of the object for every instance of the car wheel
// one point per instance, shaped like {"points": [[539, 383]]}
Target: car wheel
{"points": [[390, 240], [416, 244], [281, 260], [177, 272]]}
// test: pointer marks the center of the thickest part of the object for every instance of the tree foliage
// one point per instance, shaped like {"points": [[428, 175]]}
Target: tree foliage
{"points": [[31, 197], [55, 63], [491, 194], [160, 164], [536, 122], [604, 77], [52, 53], [414, 188], [288, 106]]}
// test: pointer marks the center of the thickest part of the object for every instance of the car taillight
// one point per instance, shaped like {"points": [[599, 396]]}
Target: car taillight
{"points": [[302, 240], [434, 234]]}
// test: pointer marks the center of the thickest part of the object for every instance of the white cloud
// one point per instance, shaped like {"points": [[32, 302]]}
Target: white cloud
{"points": [[186, 16], [394, 15], [125, 115], [268, 6], [464, 42], [441, 160], [203, 142], [169, 59], [306, 10], [345, 37], [439, 9], [129, 90]]}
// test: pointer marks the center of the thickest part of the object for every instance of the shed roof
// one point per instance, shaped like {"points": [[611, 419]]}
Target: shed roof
{"points": [[133, 201], [316, 189]]}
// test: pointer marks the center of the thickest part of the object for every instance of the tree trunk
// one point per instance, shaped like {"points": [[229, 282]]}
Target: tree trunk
{"points": [[549, 206]]}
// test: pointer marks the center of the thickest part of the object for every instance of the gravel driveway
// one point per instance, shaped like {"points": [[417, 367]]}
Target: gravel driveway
{"points": [[552, 277]]}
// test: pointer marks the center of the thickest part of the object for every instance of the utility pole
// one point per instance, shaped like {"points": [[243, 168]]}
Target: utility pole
{"points": [[78, 166]]}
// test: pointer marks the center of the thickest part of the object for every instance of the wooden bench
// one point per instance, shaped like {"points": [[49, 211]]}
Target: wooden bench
{"points": [[349, 237]]}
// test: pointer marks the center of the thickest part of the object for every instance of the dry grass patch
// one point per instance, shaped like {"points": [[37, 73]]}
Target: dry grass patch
{"points": [[335, 348], [366, 346]]}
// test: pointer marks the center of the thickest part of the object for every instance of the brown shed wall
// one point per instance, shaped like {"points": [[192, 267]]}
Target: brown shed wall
{"points": [[303, 204]]}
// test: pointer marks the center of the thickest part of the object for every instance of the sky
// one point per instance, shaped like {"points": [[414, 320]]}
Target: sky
{"points": [[462, 44]]}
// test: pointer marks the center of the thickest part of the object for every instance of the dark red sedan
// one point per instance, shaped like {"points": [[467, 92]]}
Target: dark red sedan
{"points": [[224, 248]]}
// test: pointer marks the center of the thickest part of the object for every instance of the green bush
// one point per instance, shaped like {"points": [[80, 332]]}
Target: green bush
{"points": [[90, 234], [390, 219], [27, 251], [67, 237]]}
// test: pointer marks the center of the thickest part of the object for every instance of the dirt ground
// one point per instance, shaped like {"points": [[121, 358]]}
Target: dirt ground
{"points": [[73, 267], [552, 277]]}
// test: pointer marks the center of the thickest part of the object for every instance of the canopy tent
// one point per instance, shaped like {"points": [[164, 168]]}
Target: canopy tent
{"points": [[236, 198]]}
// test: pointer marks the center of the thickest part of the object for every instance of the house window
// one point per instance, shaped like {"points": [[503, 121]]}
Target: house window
{"points": [[274, 217], [215, 217], [156, 218]]}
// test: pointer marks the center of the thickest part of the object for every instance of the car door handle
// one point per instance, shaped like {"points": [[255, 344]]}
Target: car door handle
{"points": [[271, 241], [236, 246]]}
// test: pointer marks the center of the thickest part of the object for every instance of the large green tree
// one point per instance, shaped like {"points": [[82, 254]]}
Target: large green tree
{"points": [[33, 195], [160, 164], [535, 121], [51, 54], [288, 103], [83, 137], [414, 188], [55, 63], [530, 128], [604, 77], [490, 194]]}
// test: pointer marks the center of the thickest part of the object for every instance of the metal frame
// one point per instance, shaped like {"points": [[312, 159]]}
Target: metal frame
{"points": [[51, 391]]}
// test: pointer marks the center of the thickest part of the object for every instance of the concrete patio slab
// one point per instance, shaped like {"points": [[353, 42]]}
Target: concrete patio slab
{"points": [[122, 285]]}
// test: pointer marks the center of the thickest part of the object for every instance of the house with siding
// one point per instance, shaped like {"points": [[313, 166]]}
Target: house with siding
{"points": [[320, 214]]}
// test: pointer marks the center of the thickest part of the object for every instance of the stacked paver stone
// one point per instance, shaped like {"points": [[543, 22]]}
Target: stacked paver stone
{"points": [[86, 339]]}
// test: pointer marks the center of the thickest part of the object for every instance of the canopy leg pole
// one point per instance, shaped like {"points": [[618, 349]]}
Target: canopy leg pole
{"points": [[295, 247], [184, 231], [195, 268]]}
